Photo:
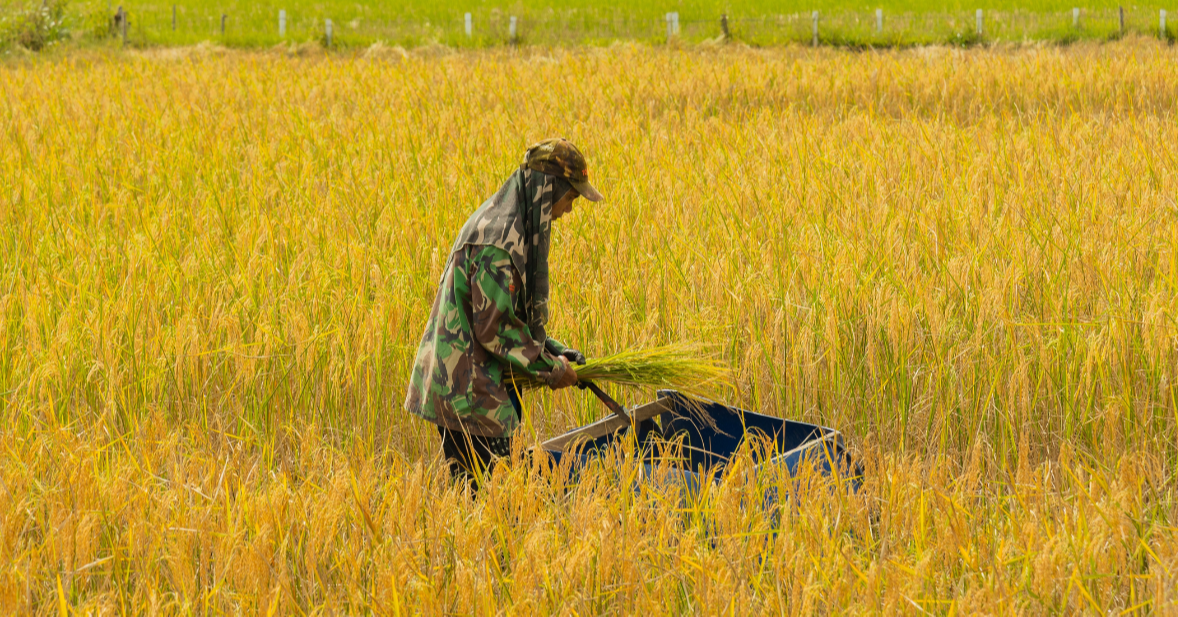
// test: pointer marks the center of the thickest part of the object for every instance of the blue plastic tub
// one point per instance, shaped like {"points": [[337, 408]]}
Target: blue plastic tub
{"points": [[705, 435]]}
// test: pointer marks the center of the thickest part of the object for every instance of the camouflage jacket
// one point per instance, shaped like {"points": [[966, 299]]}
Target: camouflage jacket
{"points": [[475, 335]]}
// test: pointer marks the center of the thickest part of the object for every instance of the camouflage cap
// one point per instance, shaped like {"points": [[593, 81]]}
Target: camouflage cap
{"points": [[559, 157]]}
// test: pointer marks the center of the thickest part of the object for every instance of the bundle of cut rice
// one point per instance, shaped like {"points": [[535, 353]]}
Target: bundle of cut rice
{"points": [[678, 367]]}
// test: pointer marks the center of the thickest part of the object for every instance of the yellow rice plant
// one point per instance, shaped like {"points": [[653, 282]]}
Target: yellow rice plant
{"points": [[216, 268], [679, 366]]}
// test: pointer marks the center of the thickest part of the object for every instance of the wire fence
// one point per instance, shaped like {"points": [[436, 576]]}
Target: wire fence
{"points": [[177, 24]]}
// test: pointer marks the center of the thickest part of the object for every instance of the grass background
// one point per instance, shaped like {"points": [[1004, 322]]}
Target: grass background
{"points": [[412, 24]]}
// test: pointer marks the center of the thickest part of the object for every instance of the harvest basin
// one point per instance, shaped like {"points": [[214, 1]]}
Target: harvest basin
{"points": [[704, 436]]}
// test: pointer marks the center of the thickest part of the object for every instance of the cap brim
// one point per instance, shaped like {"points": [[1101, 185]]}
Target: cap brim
{"points": [[587, 191]]}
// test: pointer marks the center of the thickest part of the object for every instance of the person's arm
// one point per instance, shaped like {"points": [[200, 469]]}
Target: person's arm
{"points": [[493, 283], [558, 348]]}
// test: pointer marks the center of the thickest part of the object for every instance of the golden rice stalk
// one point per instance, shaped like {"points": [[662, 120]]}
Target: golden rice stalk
{"points": [[679, 366]]}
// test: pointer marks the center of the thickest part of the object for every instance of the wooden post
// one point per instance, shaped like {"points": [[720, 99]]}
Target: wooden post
{"points": [[979, 24], [878, 21], [814, 18], [121, 21], [1162, 24], [514, 30], [173, 18], [1121, 10], [724, 25], [469, 25], [282, 22], [1076, 18], [223, 18], [327, 31]]}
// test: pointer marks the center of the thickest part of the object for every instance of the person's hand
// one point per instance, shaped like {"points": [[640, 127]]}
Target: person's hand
{"points": [[567, 378], [574, 356]]}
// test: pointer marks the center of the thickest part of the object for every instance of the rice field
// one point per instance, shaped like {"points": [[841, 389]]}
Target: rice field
{"points": [[215, 267]]}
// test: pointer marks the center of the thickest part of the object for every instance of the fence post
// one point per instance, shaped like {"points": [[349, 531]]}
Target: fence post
{"points": [[328, 32], [979, 25], [1076, 18], [878, 21], [173, 18], [814, 18], [1121, 11], [1162, 24], [121, 18], [223, 17], [514, 30], [282, 22], [724, 25], [468, 24]]}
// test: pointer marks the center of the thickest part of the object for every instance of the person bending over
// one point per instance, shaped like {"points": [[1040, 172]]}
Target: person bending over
{"points": [[489, 316]]}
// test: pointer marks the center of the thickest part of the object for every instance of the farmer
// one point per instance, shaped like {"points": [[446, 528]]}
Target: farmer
{"points": [[489, 315]]}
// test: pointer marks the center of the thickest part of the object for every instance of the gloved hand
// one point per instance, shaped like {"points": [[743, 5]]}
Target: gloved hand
{"points": [[567, 376], [574, 356]]}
